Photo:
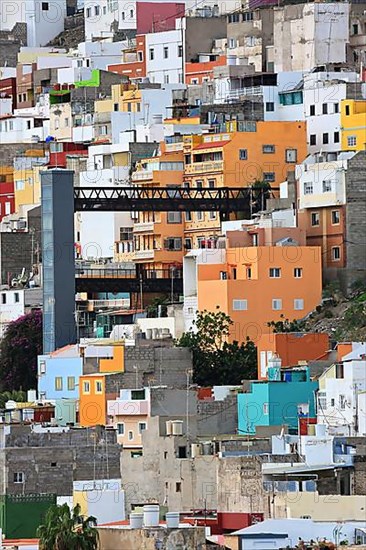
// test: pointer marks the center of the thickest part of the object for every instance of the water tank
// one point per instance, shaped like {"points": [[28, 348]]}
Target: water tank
{"points": [[9, 405], [151, 515], [195, 450], [207, 448], [136, 520], [168, 427], [320, 430], [148, 333], [172, 520], [177, 427], [155, 333], [31, 396]]}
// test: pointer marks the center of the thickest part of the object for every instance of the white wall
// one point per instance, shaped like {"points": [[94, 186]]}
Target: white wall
{"points": [[315, 174], [160, 69], [361, 400], [103, 13], [42, 25]]}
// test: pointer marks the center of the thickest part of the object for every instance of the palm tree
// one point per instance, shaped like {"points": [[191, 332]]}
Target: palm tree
{"points": [[64, 529]]}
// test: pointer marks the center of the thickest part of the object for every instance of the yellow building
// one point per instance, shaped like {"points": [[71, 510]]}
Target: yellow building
{"points": [[27, 186], [125, 98], [353, 124]]}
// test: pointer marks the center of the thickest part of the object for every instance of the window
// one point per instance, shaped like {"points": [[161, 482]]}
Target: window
{"points": [[276, 304], [130, 435], [166, 52], [96, 10], [325, 109], [116, 107], [339, 370], [71, 383], [243, 154], [355, 29], [67, 122], [194, 80], [45, 6], [166, 79], [332, 402], [104, 10], [351, 141], [336, 137], [348, 111], [342, 402], [325, 138], [131, 14], [19, 185], [137, 395], [298, 304], [120, 428], [249, 272], [180, 50], [57, 123], [327, 186], [151, 54], [19, 477], [200, 216], [269, 176], [212, 215], [335, 217], [42, 367], [312, 110], [58, 383], [268, 149], [182, 451], [199, 184], [336, 107], [308, 188], [270, 106], [298, 272], [174, 217], [275, 272], [232, 43], [140, 56], [173, 243], [86, 387], [248, 16], [178, 487], [315, 220], [123, 15], [188, 216], [336, 253], [312, 139], [211, 184], [265, 409], [3, 298], [98, 386], [88, 12], [291, 155], [240, 305], [142, 427]]}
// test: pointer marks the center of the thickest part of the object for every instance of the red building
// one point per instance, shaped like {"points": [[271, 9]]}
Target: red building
{"points": [[7, 198], [8, 89], [203, 71], [158, 16], [133, 62], [59, 152]]}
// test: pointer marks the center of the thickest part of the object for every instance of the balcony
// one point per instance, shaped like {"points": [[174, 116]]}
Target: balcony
{"points": [[144, 254], [143, 175], [120, 407], [172, 147], [204, 167], [122, 303], [143, 227]]}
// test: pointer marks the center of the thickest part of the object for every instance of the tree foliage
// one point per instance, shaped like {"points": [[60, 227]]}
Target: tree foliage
{"points": [[215, 361], [16, 395], [66, 529], [21, 344], [285, 325]]}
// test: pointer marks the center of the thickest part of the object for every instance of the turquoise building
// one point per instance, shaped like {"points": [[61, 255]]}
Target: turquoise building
{"points": [[288, 395]]}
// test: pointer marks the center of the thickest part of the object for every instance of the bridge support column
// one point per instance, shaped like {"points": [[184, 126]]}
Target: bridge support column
{"points": [[58, 258]]}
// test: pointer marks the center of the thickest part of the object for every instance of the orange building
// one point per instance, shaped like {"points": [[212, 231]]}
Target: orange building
{"points": [[94, 392], [258, 284], [292, 348], [158, 236], [247, 152], [203, 71], [133, 62]]}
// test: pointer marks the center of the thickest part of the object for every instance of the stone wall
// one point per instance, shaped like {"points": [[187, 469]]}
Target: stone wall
{"points": [[150, 539], [217, 417]]}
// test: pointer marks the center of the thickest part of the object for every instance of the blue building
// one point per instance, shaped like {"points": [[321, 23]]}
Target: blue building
{"points": [[58, 374], [287, 396]]}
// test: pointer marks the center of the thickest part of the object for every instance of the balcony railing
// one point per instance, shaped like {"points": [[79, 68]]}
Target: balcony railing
{"points": [[123, 303], [213, 166], [171, 147], [143, 227], [122, 407], [144, 254], [141, 176]]}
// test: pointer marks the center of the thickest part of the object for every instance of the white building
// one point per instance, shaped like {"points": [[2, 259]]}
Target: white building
{"points": [[323, 93], [309, 35], [104, 17], [17, 302], [22, 130], [339, 389], [101, 173], [44, 20], [165, 55]]}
